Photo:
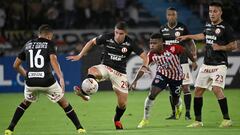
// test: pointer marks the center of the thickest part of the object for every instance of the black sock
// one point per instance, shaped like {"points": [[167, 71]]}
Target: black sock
{"points": [[91, 76], [224, 108], [72, 116], [17, 116], [187, 102], [198, 103], [172, 105], [119, 113]]}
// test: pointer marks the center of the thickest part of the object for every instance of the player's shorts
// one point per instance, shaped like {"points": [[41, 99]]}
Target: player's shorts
{"points": [[162, 82], [53, 92], [119, 80], [187, 74], [209, 76]]}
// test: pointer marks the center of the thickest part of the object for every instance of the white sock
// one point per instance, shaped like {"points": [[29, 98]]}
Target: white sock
{"points": [[147, 107]]}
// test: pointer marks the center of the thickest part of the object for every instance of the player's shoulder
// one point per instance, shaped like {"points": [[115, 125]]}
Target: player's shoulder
{"points": [[224, 24], [164, 26], [180, 24]]}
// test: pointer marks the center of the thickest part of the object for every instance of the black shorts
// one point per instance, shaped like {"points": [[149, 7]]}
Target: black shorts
{"points": [[162, 82]]}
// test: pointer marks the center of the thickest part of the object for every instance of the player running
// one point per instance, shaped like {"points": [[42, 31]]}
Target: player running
{"points": [[169, 72]]}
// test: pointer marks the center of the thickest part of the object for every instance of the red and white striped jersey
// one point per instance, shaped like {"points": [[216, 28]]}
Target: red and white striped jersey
{"points": [[168, 63]]}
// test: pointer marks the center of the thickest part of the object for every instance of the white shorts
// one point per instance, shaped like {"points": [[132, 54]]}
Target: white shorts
{"points": [[209, 76], [119, 80], [187, 74], [54, 92]]}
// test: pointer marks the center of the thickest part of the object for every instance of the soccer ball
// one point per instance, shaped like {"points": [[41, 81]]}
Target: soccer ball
{"points": [[89, 86]]}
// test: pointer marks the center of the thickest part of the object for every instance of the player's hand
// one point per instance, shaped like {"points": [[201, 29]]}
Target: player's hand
{"points": [[133, 85], [73, 58], [216, 47], [62, 84], [182, 38], [194, 66]]}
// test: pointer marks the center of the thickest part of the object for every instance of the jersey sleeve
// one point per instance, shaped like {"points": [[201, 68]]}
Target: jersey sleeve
{"points": [[52, 48], [101, 39], [229, 34], [186, 31], [22, 54]]}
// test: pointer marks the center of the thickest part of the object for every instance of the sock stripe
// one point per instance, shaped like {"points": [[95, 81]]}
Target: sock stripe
{"points": [[21, 108], [69, 111]]}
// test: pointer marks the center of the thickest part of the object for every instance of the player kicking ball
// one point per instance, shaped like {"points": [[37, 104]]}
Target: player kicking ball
{"points": [[169, 72], [118, 47]]}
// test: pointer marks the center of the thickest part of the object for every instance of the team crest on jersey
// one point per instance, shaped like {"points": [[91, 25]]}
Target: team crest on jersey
{"points": [[124, 50], [156, 81], [177, 34], [217, 31]]}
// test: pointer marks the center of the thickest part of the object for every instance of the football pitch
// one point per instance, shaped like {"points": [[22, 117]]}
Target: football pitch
{"points": [[46, 118]]}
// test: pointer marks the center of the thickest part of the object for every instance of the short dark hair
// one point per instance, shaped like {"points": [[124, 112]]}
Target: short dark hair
{"points": [[44, 29], [172, 8], [121, 26], [156, 36], [216, 3]]}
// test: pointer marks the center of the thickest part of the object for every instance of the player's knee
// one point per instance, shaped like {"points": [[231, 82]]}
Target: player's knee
{"points": [[63, 102], [152, 96], [26, 103], [186, 89], [198, 92], [93, 71]]}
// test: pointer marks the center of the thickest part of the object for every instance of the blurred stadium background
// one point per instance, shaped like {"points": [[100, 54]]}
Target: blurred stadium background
{"points": [[77, 21]]}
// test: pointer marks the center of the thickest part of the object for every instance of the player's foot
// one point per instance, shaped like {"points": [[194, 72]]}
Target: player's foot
{"points": [[178, 111], [171, 117], [195, 124], [143, 123], [81, 130], [118, 125], [78, 91], [187, 116], [226, 123], [8, 132]]}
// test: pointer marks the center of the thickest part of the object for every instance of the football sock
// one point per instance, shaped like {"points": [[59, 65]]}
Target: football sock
{"points": [[91, 76], [198, 103], [147, 107], [17, 115], [119, 113], [72, 116], [187, 102], [224, 108], [172, 105]]}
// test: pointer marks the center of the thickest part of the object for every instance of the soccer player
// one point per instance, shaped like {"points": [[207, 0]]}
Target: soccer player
{"points": [[117, 49], [169, 72], [169, 32], [212, 74], [40, 55]]}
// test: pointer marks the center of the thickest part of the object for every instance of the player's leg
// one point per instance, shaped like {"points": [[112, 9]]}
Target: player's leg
{"points": [[149, 101], [71, 114], [175, 88], [98, 73], [172, 116], [56, 95], [120, 108], [187, 80], [218, 86], [17, 116]]}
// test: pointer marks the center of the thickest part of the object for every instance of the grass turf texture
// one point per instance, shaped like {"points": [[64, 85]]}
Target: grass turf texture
{"points": [[46, 118]]}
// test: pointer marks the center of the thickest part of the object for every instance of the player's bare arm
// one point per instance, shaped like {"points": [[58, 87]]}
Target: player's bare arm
{"points": [[229, 47], [191, 46], [141, 71], [17, 65], [191, 57], [84, 51], [57, 70], [194, 37]]}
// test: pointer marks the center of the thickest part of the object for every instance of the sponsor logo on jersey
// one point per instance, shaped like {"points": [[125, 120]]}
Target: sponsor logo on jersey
{"points": [[110, 41], [124, 50], [36, 74], [126, 43], [165, 29], [179, 28]]}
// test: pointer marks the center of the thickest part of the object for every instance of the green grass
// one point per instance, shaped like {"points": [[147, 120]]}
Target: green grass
{"points": [[46, 118]]}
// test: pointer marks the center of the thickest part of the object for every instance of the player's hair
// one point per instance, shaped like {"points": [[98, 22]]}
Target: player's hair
{"points": [[156, 36], [216, 3], [172, 9], [44, 29], [121, 26]]}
